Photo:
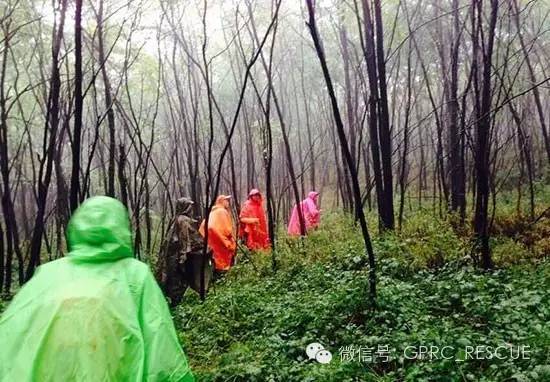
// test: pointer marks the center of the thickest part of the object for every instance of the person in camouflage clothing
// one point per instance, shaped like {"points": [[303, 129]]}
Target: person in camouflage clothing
{"points": [[179, 262]]}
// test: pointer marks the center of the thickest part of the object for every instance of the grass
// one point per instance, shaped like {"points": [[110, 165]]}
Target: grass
{"points": [[254, 326]]}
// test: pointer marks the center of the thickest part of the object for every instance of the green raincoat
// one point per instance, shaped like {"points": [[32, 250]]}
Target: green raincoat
{"points": [[95, 315]]}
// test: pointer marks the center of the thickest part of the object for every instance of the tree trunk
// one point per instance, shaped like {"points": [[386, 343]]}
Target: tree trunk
{"points": [[482, 127], [2, 257], [46, 163], [122, 181], [370, 59], [74, 194], [458, 197], [284, 130], [12, 232], [108, 103], [533, 79], [383, 120], [345, 148], [403, 171]]}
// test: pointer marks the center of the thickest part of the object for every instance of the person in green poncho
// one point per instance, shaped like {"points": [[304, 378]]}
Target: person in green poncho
{"points": [[95, 315]]}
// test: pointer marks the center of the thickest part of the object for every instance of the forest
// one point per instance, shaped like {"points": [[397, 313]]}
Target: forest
{"points": [[423, 125]]}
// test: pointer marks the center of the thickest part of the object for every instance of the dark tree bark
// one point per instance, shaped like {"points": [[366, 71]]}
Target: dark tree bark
{"points": [[189, 121], [439, 182], [403, 170], [108, 102], [531, 72], [148, 222], [74, 193], [305, 97], [268, 153], [213, 185], [368, 181], [463, 135], [422, 183], [284, 130], [383, 120], [370, 59], [48, 151], [62, 197], [525, 161], [122, 180], [350, 113], [268, 160], [2, 257], [483, 124], [345, 149], [7, 200], [456, 162]]}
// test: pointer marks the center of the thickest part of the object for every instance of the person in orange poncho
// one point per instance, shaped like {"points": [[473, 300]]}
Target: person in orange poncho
{"points": [[220, 234], [253, 224]]}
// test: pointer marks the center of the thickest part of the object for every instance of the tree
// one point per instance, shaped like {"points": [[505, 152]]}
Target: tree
{"points": [[108, 101], [345, 150], [483, 54], [6, 104], [74, 193], [456, 160], [373, 49], [50, 138]]}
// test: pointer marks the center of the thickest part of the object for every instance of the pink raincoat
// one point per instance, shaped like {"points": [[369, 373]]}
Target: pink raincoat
{"points": [[310, 212]]}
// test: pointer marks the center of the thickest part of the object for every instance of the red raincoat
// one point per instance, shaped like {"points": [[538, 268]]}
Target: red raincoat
{"points": [[254, 235]]}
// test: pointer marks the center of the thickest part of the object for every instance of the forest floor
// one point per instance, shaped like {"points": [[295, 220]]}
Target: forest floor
{"points": [[255, 324]]}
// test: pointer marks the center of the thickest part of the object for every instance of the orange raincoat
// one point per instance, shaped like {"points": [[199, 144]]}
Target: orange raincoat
{"points": [[254, 235], [220, 235]]}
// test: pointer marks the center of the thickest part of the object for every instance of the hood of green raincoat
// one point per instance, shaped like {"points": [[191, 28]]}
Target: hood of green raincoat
{"points": [[99, 231]]}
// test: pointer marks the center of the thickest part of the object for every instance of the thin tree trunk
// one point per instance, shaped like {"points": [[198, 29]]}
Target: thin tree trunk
{"points": [[2, 257], [456, 172], [12, 232], [483, 124], [536, 94], [284, 130], [370, 59], [46, 163], [305, 97], [108, 103], [74, 194], [383, 120], [349, 161], [122, 181], [403, 170], [350, 113]]}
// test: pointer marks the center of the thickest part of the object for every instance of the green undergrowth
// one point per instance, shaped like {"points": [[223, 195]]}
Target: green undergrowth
{"points": [[255, 324]]}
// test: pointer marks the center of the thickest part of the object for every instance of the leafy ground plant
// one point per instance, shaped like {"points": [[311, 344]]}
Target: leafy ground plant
{"points": [[255, 326]]}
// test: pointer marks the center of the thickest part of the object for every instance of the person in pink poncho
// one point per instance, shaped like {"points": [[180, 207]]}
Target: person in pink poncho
{"points": [[310, 212]]}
